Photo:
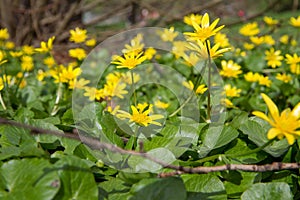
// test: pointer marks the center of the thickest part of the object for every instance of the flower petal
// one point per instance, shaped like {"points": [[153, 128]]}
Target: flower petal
{"points": [[290, 138], [263, 116], [273, 132], [296, 111], [271, 105]]}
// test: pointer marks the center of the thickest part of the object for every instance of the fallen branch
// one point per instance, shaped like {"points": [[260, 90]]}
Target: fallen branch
{"points": [[94, 143]]}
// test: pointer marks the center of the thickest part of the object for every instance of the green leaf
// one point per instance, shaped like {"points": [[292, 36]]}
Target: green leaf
{"points": [[113, 187], [203, 186], [272, 191], [77, 180], [216, 137], [257, 129], [28, 179], [159, 189]]}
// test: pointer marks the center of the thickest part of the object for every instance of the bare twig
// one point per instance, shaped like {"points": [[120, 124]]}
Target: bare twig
{"points": [[96, 144]]}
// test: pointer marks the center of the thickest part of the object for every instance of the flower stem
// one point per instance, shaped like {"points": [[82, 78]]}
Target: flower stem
{"points": [[58, 97], [209, 81], [182, 105], [133, 88], [2, 102]]}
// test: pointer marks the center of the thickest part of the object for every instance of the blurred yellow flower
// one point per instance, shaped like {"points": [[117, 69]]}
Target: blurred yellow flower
{"points": [[205, 30], [250, 77], [9, 45], [230, 69], [141, 115], [49, 61], [190, 85], [189, 19], [231, 91], [92, 93], [264, 80], [284, 39], [78, 35], [29, 50], [179, 48], [4, 35], [294, 62], [69, 73], [77, 53], [46, 47], [249, 29], [286, 124], [222, 39], [257, 40], [16, 54], [284, 77], [227, 103], [248, 46], [270, 21], [90, 42], [80, 84], [135, 47], [2, 60], [160, 104], [295, 21], [27, 63], [268, 39], [168, 35], [114, 110], [149, 53], [273, 58]]}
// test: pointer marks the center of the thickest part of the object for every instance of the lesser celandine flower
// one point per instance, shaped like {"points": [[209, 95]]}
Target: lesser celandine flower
{"points": [[27, 63], [78, 35], [295, 21], [168, 35], [10, 45], [264, 80], [80, 84], [49, 61], [284, 77], [270, 21], [201, 49], [286, 124], [135, 47], [190, 85], [221, 38], [149, 53], [192, 18], [114, 110], [248, 46], [205, 30], [160, 104], [114, 89], [294, 62], [77, 53], [69, 73], [192, 59], [46, 47], [251, 77], [2, 60], [231, 91], [230, 69], [273, 58], [141, 115], [93, 93], [90, 42], [130, 60], [257, 40], [29, 50], [179, 48], [284, 39], [268, 39], [4, 35], [227, 103], [250, 29]]}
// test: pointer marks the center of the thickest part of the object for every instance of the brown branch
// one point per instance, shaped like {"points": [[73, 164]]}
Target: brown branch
{"points": [[96, 144]]}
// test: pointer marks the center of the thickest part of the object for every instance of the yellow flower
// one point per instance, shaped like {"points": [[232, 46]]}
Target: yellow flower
{"points": [[201, 48], [192, 18], [264, 80], [114, 110], [69, 73], [273, 57], [294, 62], [77, 53], [231, 91], [2, 60], [114, 89], [92, 93], [250, 29], [250, 77], [168, 35], [46, 47], [268, 39], [270, 21], [227, 103], [141, 115], [248, 46], [80, 84], [205, 30], [284, 77], [78, 35], [27, 63], [230, 69], [135, 46], [295, 21], [190, 85], [129, 60], [126, 77], [257, 40], [90, 42], [4, 35], [49, 61], [192, 59], [41, 75], [1, 84], [284, 39], [9, 45], [16, 53], [149, 53], [285, 124], [294, 42], [160, 104], [222, 39], [29, 50], [179, 48]]}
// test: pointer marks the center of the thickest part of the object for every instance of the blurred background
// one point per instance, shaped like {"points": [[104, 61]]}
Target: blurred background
{"points": [[30, 21]]}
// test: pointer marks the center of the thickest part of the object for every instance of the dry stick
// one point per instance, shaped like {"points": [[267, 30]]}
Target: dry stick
{"points": [[94, 143]]}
